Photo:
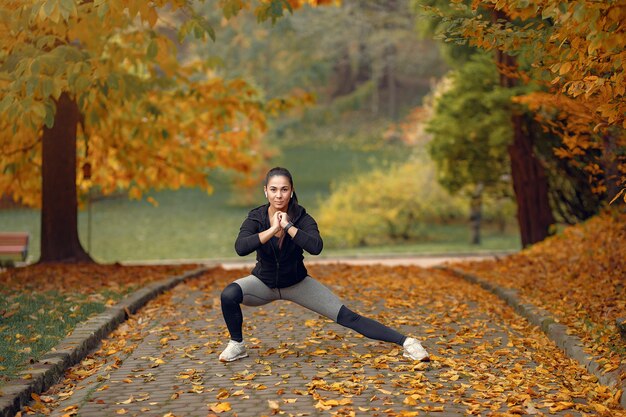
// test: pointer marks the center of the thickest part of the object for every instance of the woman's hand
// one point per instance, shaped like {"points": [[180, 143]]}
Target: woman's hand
{"points": [[273, 230], [275, 222], [284, 219]]}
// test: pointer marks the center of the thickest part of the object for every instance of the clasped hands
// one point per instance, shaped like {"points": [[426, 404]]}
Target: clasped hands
{"points": [[278, 222]]}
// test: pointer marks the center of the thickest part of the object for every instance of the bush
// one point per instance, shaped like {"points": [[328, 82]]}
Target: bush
{"points": [[388, 205]]}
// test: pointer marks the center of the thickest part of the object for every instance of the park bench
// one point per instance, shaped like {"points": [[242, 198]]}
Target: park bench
{"points": [[13, 245]]}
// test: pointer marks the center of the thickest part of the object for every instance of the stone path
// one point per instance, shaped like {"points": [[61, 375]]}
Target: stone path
{"points": [[486, 359]]}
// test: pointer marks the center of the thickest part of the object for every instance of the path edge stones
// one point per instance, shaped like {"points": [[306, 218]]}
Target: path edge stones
{"points": [[51, 367], [560, 334]]}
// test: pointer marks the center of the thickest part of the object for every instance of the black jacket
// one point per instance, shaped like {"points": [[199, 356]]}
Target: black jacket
{"points": [[279, 268]]}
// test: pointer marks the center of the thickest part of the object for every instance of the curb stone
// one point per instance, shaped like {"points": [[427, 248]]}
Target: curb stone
{"points": [[572, 345], [49, 369]]}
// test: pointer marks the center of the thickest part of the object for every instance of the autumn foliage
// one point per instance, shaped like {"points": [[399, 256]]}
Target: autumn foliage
{"points": [[578, 276], [148, 118], [575, 51]]}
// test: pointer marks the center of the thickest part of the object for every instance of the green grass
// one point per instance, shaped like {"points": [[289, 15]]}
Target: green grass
{"points": [[443, 239], [35, 322], [190, 224]]}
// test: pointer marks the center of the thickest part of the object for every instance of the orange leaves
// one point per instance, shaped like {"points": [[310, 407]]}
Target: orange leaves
{"points": [[85, 278], [328, 404], [142, 106], [220, 407], [579, 286], [576, 53]]}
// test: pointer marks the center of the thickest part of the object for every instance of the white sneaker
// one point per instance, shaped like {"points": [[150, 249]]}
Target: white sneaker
{"points": [[413, 349], [235, 350]]}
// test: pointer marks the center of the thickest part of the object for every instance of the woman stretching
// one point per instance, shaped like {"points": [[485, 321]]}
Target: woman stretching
{"points": [[279, 232]]}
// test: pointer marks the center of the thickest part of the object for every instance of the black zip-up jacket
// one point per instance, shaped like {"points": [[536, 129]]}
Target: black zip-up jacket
{"points": [[279, 268]]}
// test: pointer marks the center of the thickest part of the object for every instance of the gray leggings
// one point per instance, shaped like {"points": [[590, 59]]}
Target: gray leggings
{"points": [[309, 293]]}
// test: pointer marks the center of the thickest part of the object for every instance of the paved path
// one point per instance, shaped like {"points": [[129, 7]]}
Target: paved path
{"points": [[163, 361], [426, 260], [423, 261]]}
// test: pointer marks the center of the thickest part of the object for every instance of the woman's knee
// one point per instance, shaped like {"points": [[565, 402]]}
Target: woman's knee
{"points": [[232, 294], [347, 317]]}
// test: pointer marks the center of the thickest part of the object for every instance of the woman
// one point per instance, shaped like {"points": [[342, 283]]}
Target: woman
{"points": [[279, 232]]}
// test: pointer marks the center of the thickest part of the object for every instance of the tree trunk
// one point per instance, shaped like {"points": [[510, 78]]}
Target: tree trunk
{"points": [[344, 80], [375, 103], [609, 165], [530, 182], [59, 208], [364, 70], [391, 80], [476, 213]]}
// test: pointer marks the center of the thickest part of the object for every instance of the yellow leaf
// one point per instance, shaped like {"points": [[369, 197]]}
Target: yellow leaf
{"points": [[410, 401], [565, 67], [273, 404], [220, 407]]}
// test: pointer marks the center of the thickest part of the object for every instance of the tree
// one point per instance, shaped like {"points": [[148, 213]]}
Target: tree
{"points": [[575, 51], [471, 130], [534, 213], [99, 84], [339, 52]]}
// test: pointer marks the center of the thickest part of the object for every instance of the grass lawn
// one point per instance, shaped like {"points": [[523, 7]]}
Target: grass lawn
{"points": [[190, 224], [41, 304]]}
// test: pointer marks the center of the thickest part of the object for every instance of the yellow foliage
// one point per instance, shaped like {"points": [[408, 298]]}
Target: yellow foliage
{"points": [[580, 48], [150, 121], [387, 204]]}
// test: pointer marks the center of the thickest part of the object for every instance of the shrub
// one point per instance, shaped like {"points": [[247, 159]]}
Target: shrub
{"points": [[388, 204]]}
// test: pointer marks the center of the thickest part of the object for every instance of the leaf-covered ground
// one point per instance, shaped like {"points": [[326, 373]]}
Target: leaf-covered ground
{"points": [[41, 304], [579, 276], [486, 360]]}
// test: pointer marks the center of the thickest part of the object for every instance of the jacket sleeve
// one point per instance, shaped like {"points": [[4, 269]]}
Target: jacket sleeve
{"points": [[308, 236], [248, 239]]}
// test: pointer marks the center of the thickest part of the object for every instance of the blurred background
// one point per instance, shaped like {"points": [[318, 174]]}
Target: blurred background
{"points": [[401, 146]]}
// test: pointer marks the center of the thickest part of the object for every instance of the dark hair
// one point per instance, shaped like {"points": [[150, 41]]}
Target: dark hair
{"points": [[293, 202]]}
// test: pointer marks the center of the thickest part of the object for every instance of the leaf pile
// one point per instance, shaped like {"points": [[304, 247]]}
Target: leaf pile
{"points": [[84, 278], [41, 304], [579, 276], [486, 360]]}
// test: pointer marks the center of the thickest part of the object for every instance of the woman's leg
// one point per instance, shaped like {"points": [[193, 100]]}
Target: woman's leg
{"points": [[248, 291], [231, 298], [315, 296], [368, 327]]}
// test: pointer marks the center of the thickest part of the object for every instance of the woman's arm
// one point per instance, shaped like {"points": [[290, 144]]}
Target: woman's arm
{"points": [[307, 235], [249, 238]]}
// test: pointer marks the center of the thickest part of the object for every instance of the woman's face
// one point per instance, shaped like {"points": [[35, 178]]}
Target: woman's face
{"points": [[278, 191]]}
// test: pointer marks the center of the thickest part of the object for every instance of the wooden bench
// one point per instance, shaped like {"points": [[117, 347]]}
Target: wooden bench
{"points": [[13, 245]]}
